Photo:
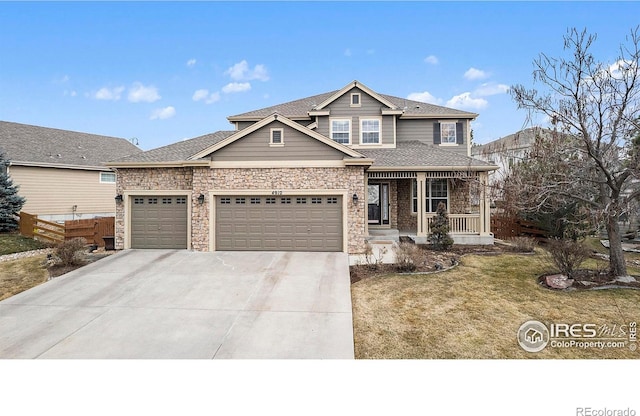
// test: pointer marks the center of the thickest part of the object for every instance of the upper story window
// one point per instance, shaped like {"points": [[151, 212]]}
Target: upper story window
{"points": [[448, 133], [341, 130], [355, 99], [370, 131], [107, 177], [277, 137]]}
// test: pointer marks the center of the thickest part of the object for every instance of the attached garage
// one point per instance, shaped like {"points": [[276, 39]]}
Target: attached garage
{"points": [[279, 223], [159, 221]]}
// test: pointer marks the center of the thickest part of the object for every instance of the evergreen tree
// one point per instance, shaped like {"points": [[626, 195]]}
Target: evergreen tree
{"points": [[439, 237], [10, 202]]}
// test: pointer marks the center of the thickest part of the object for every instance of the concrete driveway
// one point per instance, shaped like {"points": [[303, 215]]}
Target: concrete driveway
{"points": [[183, 304]]}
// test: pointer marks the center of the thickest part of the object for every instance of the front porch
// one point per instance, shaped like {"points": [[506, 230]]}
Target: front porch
{"points": [[404, 203]]}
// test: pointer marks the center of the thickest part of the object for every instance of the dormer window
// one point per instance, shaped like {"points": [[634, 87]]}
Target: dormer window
{"points": [[355, 99], [277, 138]]}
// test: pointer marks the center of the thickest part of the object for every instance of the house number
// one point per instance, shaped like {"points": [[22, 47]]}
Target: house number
{"points": [[276, 192]]}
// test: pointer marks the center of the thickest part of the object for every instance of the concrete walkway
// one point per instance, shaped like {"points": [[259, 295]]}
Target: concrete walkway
{"points": [[183, 304]]}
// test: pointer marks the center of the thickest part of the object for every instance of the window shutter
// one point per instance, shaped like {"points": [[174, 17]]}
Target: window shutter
{"points": [[459, 134], [436, 133]]}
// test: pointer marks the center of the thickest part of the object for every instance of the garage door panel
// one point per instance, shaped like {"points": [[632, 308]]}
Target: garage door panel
{"points": [[305, 223], [158, 222]]}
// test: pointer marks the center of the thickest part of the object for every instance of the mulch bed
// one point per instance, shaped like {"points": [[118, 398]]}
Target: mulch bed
{"points": [[431, 261], [584, 279]]}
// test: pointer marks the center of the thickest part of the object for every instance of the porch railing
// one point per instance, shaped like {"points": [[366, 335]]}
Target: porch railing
{"points": [[458, 223]]}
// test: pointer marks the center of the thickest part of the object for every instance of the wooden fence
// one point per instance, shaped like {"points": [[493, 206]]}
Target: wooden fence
{"points": [[93, 230], [504, 227]]}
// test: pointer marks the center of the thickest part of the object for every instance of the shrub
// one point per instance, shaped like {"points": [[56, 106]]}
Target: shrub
{"points": [[439, 237], [408, 256], [523, 244], [567, 255], [70, 252], [373, 260]]}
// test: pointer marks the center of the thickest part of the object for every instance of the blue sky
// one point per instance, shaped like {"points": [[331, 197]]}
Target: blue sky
{"points": [[166, 71]]}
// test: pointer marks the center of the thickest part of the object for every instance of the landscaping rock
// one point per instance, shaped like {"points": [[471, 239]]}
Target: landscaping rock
{"points": [[558, 281]]}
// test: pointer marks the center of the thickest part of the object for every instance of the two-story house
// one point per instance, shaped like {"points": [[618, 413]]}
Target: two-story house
{"points": [[321, 173]]}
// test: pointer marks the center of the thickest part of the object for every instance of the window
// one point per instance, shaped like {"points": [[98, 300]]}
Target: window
{"points": [[270, 200], [166, 201], [277, 137], [107, 177], [370, 131], [152, 201], [225, 200], [138, 201], [448, 133], [285, 200], [332, 200], [255, 201], [301, 200], [341, 131], [355, 99], [316, 200], [181, 200], [240, 200], [436, 191]]}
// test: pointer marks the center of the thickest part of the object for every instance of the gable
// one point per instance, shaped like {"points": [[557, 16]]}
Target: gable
{"points": [[256, 146], [355, 84], [368, 105]]}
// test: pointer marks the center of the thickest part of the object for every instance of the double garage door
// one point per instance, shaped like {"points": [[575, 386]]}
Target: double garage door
{"points": [[279, 223], [274, 223]]}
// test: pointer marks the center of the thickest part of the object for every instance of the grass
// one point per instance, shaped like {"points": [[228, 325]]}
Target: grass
{"points": [[19, 275], [474, 311], [15, 243]]}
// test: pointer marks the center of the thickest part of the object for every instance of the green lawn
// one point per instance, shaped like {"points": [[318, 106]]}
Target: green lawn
{"points": [[15, 243], [475, 310]]}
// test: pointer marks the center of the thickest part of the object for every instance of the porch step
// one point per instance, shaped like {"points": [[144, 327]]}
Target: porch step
{"points": [[383, 236]]}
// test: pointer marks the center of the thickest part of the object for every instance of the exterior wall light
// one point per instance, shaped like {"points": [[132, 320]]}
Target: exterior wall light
{"points": [[119, 198], [201, 199], [355, 198]]}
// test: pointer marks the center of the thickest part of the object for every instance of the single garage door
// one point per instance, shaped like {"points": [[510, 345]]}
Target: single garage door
{"points": [[159, 221], [291, 223]]}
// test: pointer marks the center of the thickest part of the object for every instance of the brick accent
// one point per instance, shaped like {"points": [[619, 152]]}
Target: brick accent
{"points": [[203, 180]]}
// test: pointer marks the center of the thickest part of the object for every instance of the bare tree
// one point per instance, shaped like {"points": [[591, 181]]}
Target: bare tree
{"points": [[593, 161]]}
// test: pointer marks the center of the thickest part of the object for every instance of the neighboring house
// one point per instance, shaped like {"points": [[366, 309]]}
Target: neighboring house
{"points": [[322, 173], [62, 173]]}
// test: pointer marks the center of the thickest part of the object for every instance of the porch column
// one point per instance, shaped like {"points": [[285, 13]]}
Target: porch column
{"points": [[485, 211], [366, 204], [421, 186]]}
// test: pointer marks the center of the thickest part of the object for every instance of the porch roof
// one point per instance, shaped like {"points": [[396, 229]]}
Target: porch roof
{"points": [[415, 155]]}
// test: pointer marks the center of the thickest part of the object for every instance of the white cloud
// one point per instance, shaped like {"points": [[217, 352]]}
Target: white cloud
{"points": [[474, 73], [432, 59], [488, 89], [112, 94], [347, 52], [191, 62], [465, 100], [163, 113], [139, 92], [242, 72], [206, 96], [424, 97], [236, 87]]}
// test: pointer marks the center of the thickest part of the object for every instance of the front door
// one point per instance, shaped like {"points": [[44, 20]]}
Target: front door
{"points": [[378, 203]]}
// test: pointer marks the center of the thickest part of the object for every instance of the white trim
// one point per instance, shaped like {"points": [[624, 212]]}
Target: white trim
{"points": [[374, 146], [355, 94], [115, 178], [268, 164], [127, 201], [448, 144], [455, 132], [347, 119], [379, 120], [276, 144]]}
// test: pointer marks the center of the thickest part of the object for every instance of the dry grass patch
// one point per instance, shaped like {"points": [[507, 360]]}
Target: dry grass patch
{"points": [[475, 310], [19, 275]]}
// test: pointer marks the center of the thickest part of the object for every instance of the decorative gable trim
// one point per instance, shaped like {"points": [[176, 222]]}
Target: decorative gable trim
{"points": [[347, 88], [268, 120]]}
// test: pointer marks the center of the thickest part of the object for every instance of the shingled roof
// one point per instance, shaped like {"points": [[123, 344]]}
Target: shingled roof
{"points": [[33, 145], [415, 153], [177, 152], [299, 108]]}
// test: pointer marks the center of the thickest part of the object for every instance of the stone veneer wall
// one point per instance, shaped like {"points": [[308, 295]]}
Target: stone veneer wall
{"points": [[147, 180], [202, 180], [285, 179], [406, 220], [459, 198], [393, 203]]}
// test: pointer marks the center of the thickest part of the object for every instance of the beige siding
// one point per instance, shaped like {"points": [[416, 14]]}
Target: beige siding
{"points": [[256, 147], [369, 107], [52, 191]]}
